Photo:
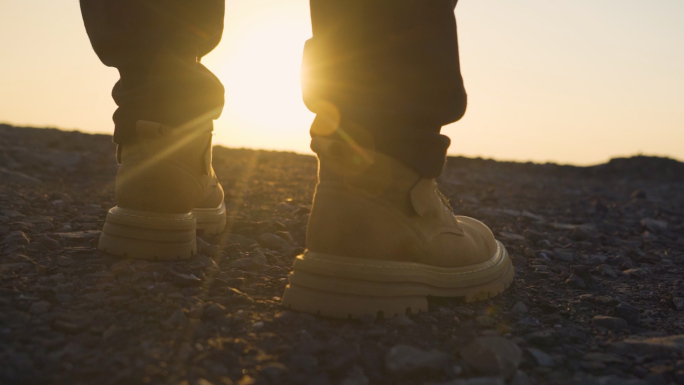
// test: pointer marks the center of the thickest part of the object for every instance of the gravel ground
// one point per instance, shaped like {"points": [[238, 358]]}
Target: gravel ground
{"points": [[598, 296]]}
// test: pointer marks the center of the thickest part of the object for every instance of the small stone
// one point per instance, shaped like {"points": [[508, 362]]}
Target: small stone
{"points": [[214, 310], [492, 355], [273, 371], [355, 376], [186, 280], [286, 236], [68, 326], [520, 378], [486, 321], [258, 257], [462, 310], [80, 236], [407, 359], [534, 236], [49, 243], [243, 264], [304, 362], [607, 270], [519, 309], [604, 358], [637, 272], [657, 347], [576, 282], [16, 238], [678, 303], [541, 358], [177, 319], [472, 381], [628, 312], [402, 320], [611, 323], [565, 255], [542, 338], [653, 225], [274, 242], [40, 307], [638, 194], [207, 248]]}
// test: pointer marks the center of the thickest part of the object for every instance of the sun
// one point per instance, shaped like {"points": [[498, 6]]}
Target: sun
{"points": [[259, 62]]}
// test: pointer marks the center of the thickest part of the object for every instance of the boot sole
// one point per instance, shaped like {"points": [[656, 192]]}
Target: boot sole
{"points": [[211, 221], [147, 235], [341, 287]]}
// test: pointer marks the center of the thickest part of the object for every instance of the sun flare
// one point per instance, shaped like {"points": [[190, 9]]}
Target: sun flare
{"points": [[259, 62]]}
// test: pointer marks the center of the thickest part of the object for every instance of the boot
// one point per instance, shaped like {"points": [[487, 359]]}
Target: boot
{"points": [[381, 239], [166, 189]]}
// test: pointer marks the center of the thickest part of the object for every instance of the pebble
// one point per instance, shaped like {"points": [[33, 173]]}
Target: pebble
{"points": [[654, 225], [462, 310], [628, 312], [657, 347], [565, 255], [534, 236], [611, 323], [186, 280], [492, 355], [243, 264], [40, 307], [402, 320], [540, 358], [49, 243], [258, 257], [678, 303], [214, 310], [607, 270], [355, 376], [16, 238], [272, 241], [207, 248], [273, 371], [542, 338], [486, 321], [637, 272], [520, 378], [576, 282], [519, 309], [407, 359], [472, 381]]}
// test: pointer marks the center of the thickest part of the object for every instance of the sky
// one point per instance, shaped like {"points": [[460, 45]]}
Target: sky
{"points": [[573, 82]]}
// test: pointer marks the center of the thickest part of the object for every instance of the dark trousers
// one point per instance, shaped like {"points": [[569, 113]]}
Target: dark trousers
{"points": [[384, 72]]}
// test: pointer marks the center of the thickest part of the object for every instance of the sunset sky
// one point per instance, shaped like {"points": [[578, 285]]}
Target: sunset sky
{"points": [[574, 82]]}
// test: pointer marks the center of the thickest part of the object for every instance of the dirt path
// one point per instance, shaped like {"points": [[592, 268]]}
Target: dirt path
{"points": [[598, 296]]}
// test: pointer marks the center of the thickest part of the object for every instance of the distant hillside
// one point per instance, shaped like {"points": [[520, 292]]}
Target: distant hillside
{"points": [[15, 141]]}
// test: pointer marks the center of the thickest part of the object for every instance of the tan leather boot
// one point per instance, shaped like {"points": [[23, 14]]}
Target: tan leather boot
{"points": [[381, 239], [166, 188]]}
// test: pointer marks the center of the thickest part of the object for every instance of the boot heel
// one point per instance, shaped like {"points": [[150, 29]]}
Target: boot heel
{"points": [[317, 288], [211, 221], [140, 234]]}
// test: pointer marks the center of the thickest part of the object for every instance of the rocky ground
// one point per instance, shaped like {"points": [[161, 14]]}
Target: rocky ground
{"points": [[598, 296]]}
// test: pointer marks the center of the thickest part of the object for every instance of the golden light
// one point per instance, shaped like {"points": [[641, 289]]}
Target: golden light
{"points": [[259, 62]]}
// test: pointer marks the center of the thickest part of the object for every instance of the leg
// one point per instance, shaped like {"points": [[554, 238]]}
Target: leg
{"points": [[391, 70], [156, 46], [383, 77], [166, 187]]}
